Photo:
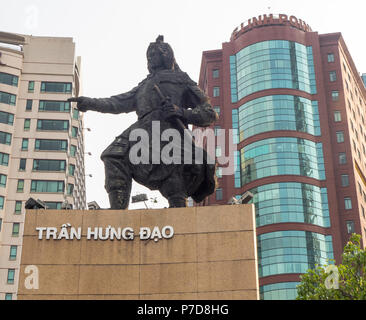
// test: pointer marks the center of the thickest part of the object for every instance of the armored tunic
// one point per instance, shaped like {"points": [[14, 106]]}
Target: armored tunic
{"points": [[198, 179]]}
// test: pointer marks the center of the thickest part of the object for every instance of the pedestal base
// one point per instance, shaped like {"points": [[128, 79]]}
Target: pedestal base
{"points": [[211, 255]]}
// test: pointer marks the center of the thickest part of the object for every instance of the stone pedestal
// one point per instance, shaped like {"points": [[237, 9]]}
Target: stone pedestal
{"points": [[212, 255]]}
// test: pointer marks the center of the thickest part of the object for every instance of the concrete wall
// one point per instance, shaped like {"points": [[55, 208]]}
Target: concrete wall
{"points": [[211, 256]]}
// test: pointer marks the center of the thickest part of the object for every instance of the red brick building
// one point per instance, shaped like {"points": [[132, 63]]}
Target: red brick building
{"points": [[298, 106]]}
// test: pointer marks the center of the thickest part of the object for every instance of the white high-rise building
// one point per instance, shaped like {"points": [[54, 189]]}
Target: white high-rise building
{"points": [[41, 138]]}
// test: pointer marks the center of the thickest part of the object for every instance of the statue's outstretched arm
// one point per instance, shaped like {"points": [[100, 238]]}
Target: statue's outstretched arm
{"points": [[121, 103]]}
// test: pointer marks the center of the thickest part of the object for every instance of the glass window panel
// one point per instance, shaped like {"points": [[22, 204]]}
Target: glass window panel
{"points": [[9, 79], [15, 231], [56, 106], [40, 186], [50, 145], [337, 116], [29, 105], [7, 98], [6, 118], [53, 125], [31, 86], [48, 165], [18, 207], [13, 252], [62, 87], [347, 203], [27, 123], [11, 276], [344, 180], [216, 91], [20, 185], [219, 194], [25, 142], [22, 164]]}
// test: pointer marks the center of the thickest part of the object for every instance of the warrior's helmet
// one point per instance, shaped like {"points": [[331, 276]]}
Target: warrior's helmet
{"points": [[166, 51]]}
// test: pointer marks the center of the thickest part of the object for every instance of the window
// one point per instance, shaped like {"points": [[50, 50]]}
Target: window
{"points": [[53, 125], [269, 65], [215, 73], [7, 98], [11, 276], [330, 57], [50, 145], [29, 105], [8, 296], [340, 136], [218, 151], [5, 138], [70, 189], [217, 110], [219, 172], [27, 124], [40, 186], [71, 169], [1, 204], [51, 105], [217, 130], [332, 76], [3, 178], [15, 232], [75, 114], [337, 116], [49, 165], [342, 158], [13, 253], [4, 159], [335, 95], [31, 86], [344, 180], [20, 185], [53, 205], [8, 79], [350, 227], [74, 132], [219, 195], [18, 207], [22, 164], [62, 87], [1, 223], [347, 203], [216, 92], [25, 142], [7, 118], [73, 150]]}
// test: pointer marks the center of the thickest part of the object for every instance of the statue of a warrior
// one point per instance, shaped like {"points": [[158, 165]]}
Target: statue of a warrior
{"points": [[170, 98]]}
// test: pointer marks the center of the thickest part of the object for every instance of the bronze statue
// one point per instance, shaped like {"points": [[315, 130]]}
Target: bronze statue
{"points": [[169, 96]]}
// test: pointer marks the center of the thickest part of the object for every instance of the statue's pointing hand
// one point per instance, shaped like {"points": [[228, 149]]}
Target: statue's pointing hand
{"points": [[83, 103]]}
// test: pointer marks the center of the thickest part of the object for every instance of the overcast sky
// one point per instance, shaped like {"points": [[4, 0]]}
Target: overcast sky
{"points": [[112, 37]]}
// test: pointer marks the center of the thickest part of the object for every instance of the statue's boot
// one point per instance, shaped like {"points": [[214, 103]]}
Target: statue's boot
{"points": [[118, 200]]}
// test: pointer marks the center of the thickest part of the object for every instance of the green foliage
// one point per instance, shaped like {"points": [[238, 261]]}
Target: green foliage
{"points": [[351, 277]]}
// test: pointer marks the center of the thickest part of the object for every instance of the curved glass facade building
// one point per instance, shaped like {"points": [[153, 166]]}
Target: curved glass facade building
{"points": [[297, 106], [274, 64], [289, 202], [282, 156], [278, 112]]}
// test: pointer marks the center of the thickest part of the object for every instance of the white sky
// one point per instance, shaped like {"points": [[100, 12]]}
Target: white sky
{"points": [[112, 36]]}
